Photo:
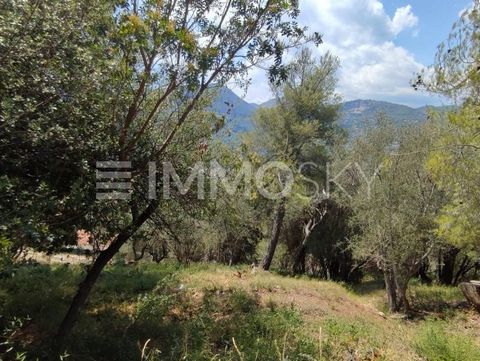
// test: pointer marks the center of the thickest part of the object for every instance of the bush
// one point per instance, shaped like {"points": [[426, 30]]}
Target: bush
{"points": [[246, 331], [227, 325], [435, 343], [154, 305]]}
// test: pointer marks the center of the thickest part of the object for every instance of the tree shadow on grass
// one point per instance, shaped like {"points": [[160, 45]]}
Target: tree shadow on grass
{"points": [[37, 296], [425, 300], [438, 301], [368, 287]]}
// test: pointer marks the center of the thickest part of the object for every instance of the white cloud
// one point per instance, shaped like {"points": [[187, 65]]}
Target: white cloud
{"points": [[403, 19], [376, 70], [362, 35]]}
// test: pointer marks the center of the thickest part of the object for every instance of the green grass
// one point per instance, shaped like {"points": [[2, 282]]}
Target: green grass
{"points": [[147, 305], [212, 312], [435, 342], [434, 297], [350, 339]]}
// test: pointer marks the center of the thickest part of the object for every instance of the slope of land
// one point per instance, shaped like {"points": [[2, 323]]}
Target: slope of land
{"points": [[203, 312]]}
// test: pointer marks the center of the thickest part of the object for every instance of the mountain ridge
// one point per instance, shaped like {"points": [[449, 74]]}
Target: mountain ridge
{"points": [[239, 112]]}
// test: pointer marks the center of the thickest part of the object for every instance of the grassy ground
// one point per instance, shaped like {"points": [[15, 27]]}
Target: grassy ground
{"points": [[207, 312]]}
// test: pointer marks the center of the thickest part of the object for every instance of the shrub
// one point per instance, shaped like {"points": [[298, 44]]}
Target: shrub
{"points": [[154, 305], [228, 325]]}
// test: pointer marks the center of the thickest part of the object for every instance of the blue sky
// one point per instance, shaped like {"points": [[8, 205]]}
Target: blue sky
{"points": [[381, 44], [436, 18]]}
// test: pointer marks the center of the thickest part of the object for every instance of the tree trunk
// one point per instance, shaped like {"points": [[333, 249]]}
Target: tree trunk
{"points": [[136, 255], [402, 300], [446, 271], [471, 291], [300, 254], [391, 287], [422, 273], [299, 260], [94, 272], [276, 228], [462, 270]]}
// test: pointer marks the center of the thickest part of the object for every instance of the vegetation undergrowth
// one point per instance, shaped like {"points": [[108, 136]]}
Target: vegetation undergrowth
{"points": [[435, 342], [206, 312]]}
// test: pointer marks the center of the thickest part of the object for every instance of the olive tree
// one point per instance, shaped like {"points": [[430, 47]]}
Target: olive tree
{"points": [[393, 199]]}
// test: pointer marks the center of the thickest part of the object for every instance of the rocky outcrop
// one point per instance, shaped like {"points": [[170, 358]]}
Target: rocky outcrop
{"points": [[471, 291]]}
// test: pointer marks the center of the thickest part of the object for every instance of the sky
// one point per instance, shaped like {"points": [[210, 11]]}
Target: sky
{"points": [[381, 44]]}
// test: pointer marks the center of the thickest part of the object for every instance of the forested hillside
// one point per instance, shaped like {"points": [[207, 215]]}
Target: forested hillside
{"points": [[352, 115]]}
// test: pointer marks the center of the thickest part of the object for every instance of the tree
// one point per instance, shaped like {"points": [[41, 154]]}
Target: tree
{"points": [[226, 225], [235, 212], [55, 84], [317, 243], [298, 129], [393, 200], [456, 70], [163, 56], [454, 162]]}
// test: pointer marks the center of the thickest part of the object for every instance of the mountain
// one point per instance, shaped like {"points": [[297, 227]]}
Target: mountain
{"points": [[269, 103], [239, 113], [353, 113], [236, 110]]}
